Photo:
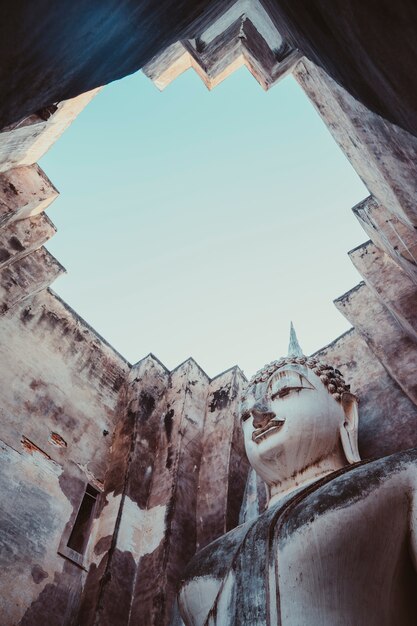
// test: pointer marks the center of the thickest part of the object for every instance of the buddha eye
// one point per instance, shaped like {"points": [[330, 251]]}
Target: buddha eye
{"points": [[285, 391], [287, 381]]}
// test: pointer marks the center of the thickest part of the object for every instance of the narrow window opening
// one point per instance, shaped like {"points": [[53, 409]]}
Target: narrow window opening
{"points": [[81, 529]]}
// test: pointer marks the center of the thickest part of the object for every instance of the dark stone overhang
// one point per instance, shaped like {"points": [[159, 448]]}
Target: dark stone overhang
{"points": [[51, 51]]}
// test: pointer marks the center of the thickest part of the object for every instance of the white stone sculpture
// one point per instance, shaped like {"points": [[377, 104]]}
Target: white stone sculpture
{"points": [[337, 544]]}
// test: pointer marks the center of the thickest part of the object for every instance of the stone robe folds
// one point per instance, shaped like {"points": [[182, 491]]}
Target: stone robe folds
{"points": [[340, 552]]}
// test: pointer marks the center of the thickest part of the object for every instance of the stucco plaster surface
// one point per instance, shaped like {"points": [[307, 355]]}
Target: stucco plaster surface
{"points": [[33, 512], [22, 237], [60, 383], [141, 530], [25, 142], [383, 334], [384, 155], [387, 416], [24, 192], [389, 234], [391, 285]]}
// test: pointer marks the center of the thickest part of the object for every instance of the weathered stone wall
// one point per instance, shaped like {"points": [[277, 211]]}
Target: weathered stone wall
{"points": [[176, 483], [383, 154], [162, 448], [387, 416], [61, 394]]}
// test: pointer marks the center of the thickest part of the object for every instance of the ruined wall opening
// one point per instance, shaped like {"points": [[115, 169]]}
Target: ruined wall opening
{"points": [[188, 202]]}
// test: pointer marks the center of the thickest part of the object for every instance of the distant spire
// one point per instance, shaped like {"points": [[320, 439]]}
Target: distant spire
{"points": [[294, 348]]}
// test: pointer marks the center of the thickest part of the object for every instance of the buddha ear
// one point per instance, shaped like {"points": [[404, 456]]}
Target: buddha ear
{"points": [[349, 429]]}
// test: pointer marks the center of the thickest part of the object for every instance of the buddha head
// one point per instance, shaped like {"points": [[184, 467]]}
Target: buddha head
{"points": [[298, 414]]}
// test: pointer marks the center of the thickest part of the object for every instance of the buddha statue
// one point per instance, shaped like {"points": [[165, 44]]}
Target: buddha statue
{"points": [[337, 544]]}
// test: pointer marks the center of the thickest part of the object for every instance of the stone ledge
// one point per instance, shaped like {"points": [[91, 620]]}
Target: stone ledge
{"points": [[26, 277], [24, 192], [22, 237]]}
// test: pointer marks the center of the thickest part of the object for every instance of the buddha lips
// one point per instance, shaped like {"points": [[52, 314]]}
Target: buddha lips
{"points": [[272, 427]]}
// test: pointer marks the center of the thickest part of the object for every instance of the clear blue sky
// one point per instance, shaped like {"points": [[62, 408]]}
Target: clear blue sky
{"points": [[197, 223]]}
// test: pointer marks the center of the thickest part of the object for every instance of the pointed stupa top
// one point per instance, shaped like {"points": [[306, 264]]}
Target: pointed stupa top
{"points": [[294, 348]]}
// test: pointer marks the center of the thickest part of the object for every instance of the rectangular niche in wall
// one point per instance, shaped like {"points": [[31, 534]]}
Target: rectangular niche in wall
{"points": [[81, 529], [74, 541]]}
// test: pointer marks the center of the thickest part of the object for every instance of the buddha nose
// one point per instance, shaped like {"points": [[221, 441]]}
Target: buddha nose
{"points": [[262, 415]]}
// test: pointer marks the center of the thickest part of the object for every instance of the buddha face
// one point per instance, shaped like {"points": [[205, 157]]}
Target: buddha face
{"points": [[290, 423]]}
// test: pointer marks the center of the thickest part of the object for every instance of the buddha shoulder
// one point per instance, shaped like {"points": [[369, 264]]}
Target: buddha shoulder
{"points": [[205, 573], [382, 480]]}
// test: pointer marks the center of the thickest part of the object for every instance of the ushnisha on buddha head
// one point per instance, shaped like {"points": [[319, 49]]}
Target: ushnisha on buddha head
{"points": [[299, 420]]}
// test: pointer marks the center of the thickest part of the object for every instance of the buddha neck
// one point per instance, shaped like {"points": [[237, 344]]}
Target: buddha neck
{"points": [[307, 476]]}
